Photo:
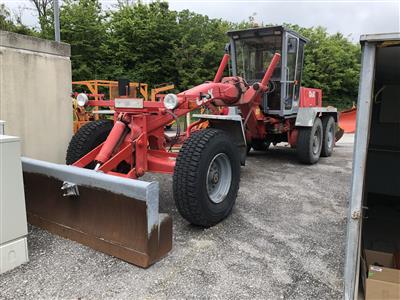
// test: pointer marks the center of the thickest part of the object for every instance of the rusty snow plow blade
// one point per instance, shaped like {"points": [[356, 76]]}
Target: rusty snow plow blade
{"points": [[115, 215], [347, 120]]}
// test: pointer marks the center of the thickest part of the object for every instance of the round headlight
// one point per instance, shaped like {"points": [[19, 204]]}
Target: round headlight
{"points": [[82, 99], [170, 101]]}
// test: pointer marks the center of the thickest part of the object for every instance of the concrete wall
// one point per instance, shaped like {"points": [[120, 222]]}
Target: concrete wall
{"points": [[35, 87]]}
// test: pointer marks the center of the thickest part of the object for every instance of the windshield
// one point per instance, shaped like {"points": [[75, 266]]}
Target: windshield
{"points": [[253, 56]]}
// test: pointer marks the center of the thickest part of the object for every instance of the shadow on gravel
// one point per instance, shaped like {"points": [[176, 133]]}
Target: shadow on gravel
{"points": [[278, 153]]}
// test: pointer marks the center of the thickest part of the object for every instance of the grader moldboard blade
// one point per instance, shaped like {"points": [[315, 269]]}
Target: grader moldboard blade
{"points": [[115, 215]]}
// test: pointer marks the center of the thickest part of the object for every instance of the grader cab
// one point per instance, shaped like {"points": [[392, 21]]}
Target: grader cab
{"points": [[259, 103], [289, 110], [252, 51]]}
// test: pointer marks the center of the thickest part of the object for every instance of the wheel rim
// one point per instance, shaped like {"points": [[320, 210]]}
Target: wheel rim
{"points": [[219, 178], [316, 141], [330, 137]]}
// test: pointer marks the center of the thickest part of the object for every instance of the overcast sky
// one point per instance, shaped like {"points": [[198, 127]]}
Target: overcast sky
{"points": [[348, 17]]}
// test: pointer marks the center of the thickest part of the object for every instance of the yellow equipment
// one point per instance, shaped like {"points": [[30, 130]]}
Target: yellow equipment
{"points": [[159, 89], [101, 90], [108, 90]]}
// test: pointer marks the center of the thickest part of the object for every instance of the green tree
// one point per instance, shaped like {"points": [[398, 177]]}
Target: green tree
{"points": [[44, 10], [163, 45], [141, 43], [83, 27], [7, 23], [199, 49]]}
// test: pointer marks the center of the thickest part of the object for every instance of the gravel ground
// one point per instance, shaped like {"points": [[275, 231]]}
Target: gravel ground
{"points": [[284, 240]]}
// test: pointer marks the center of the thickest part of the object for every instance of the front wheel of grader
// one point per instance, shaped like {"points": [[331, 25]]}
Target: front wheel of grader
{"points": [[206, 177], [88, 137]]}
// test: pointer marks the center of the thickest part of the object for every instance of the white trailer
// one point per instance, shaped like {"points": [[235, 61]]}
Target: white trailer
{"points": [[374, 207]]}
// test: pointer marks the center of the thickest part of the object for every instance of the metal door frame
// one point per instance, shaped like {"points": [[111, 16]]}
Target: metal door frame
{"points": [[284, 82], [355, 213]]}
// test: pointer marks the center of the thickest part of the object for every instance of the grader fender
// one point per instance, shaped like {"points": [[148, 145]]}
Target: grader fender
{"points": [[114, 215], [233, 125], [306, 115]]}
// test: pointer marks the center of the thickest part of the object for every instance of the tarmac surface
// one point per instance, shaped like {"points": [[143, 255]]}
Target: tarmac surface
{"points": [[284, 240]]}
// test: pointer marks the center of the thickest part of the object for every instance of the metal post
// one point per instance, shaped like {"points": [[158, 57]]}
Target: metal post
{"points": [[56, 21], [354, 221]]}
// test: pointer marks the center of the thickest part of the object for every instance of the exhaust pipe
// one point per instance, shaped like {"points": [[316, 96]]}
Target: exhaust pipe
{"points": [[111, 214]]}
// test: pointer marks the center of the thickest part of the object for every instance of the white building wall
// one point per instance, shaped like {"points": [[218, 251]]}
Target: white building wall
{"points": [[35, 87]]}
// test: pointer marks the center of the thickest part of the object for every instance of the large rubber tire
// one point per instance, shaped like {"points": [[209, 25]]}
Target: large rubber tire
{"points": [[328, 141], [88, 137], [308, 149], [191, 177], [260, 145]]}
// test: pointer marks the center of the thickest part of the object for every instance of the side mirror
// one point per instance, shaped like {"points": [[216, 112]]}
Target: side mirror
{"points": [[227, 48]]}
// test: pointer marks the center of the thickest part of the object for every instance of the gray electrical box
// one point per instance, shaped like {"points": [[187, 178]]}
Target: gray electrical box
{"points": [[13, 226]]}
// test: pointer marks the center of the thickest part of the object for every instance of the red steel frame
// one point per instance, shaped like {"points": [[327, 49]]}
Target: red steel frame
{"points": [[144, 146]]}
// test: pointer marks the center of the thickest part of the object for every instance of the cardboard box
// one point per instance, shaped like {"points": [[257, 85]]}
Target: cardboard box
{"points": [[379, 258], [382, 283]]}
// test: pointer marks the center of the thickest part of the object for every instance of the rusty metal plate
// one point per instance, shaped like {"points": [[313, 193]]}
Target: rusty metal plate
{"points": [[103, 220]]}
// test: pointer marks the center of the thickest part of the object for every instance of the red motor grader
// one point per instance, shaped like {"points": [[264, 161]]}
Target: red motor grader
{"points": [[263, 103], [102, 205]]}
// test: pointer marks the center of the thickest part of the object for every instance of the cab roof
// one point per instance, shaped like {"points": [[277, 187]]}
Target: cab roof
{"points": [[262, 31]]}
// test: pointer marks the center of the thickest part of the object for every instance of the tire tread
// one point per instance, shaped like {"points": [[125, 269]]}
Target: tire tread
{"points": [[184, 178], [82, 142], [303, 148], [324, 151]]}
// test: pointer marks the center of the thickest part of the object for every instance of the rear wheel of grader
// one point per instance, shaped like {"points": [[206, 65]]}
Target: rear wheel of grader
{"points": [[328, 142], [206, 177], [88, 137], [309, 143]]}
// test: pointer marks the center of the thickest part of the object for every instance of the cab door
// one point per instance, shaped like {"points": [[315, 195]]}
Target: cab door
{"points": [[290, 75]]}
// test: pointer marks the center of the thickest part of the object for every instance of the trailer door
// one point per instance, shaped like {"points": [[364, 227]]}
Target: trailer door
{"points": [[354, 217]]}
